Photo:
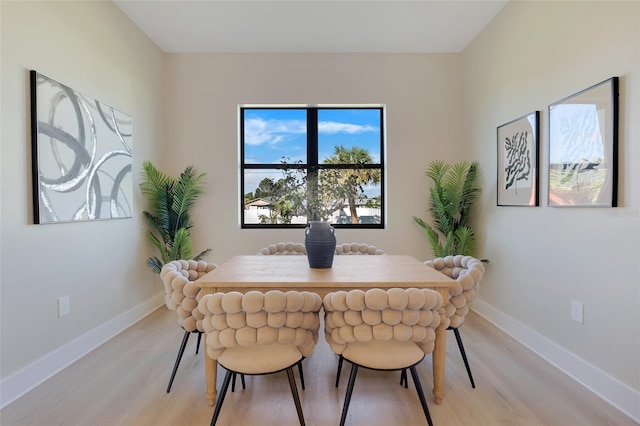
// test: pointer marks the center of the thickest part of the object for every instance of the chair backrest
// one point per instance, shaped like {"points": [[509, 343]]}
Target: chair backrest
{"points": [[256, 318], [181, 294], [357, 248], [468, 272], [289, 248], [383, 315]]}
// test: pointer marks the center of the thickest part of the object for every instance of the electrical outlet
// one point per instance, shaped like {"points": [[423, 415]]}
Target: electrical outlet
{"points": [[577, 311], [63, 306]]}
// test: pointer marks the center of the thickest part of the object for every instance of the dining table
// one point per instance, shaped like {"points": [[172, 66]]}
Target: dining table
{"points": [[245, 273]]}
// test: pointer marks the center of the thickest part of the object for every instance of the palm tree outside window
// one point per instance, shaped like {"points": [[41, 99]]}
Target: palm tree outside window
{"points": [[301, 163]]}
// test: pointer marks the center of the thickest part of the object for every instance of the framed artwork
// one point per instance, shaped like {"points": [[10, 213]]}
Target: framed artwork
{"points": [[81, 155], [583, 148], [518, 161]]}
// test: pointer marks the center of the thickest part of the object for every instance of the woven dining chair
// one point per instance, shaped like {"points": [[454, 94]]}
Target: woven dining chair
{"points": [[286, 249], [382, 330], [260, 333], [182, 296], [357, 249], [283, 249], [468, 272]]}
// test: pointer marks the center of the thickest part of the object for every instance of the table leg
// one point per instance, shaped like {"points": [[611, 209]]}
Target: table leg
{"points": [[211, 371], [440, 352], [210, 364]]}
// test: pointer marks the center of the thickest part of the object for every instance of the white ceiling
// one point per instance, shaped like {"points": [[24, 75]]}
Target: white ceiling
{"points": [[294, 26]]}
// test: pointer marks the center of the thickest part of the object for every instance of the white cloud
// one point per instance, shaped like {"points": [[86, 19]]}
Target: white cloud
{"points": [[258, 131], [332, 127]]}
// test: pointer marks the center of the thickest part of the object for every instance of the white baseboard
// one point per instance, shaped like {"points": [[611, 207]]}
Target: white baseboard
{"points": [[610, 389], [22, 381]]}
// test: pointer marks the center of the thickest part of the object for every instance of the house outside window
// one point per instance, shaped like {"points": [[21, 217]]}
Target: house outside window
{"points": [[304, 163]]}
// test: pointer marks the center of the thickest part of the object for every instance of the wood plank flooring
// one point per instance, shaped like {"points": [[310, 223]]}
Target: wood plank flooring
{"points": [[123, 383]]}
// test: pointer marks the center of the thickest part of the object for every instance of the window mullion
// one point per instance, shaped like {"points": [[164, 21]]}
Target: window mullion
{"points": [[312, 163]]}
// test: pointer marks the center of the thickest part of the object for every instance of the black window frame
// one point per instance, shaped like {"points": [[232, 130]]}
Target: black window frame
{"points": [[313, 165]]}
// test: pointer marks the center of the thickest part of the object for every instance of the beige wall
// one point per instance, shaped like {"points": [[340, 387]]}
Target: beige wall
{"points": [[95, 49], [531, 55], [422, 96]]}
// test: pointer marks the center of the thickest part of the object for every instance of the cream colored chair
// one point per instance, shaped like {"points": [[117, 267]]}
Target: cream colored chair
{"points": [[382, 330], [349, 249], [260, 333], [284, 249], [357, 248], [182, 296], [291, 248], [468, 272]]}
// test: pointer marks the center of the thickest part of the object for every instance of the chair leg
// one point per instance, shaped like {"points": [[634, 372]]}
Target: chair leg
{"points": [[464, 356], [296, 396], [198, 344], [403, 378], [347, 398], [221, 395], [423, 401], [233, 382], [185, 338], [301, 374], [340, 361]]}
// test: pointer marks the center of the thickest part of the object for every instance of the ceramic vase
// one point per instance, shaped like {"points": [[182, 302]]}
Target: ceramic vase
{"points": [[320, 242]]}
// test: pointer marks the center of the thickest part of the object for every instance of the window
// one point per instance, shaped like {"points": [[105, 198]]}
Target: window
{"points": [[312, 163]]}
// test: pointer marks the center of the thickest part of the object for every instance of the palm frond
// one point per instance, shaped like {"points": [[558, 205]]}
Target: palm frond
{"points": [[449, 244], [469, 192], [434, 241], [436, 171], [420, 222], [451, 197], [181, 247], [454, 184], [154, 264], [440, 208], [465, 241], [169, 203], [161, 246], [202, 254], [158, 225], [187, 189], [440, 197], [155, 186]]}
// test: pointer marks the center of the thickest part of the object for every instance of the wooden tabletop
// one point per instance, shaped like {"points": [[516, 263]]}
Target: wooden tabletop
{"points": [[382, 271], [264, 273]]}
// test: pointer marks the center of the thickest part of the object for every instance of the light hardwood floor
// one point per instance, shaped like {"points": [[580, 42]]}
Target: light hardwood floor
{"points": [[123, 383]]}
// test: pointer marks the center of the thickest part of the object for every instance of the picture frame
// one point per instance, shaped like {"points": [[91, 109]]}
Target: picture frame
{"points": [[518, 149], [583, 148], [81, 154]]}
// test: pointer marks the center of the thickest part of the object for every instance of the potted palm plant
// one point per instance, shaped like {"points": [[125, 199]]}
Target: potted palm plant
{"points": [[170, 201], [451, 198]]}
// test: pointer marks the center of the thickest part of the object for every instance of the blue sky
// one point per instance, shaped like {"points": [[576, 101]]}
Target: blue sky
{"points": [[276, 133]]}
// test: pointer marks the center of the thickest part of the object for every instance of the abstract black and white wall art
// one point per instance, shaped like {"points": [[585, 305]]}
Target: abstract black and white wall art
{"points": [[518, 161], [583, 148], [81, 155]]}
